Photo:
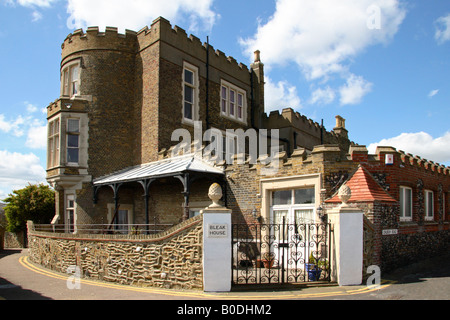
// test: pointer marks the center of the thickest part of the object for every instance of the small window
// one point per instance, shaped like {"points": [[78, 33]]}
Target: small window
{"points": [[429, 205], [73, 141], [240, 105], [443, 206], [224, 99], [121, 221], [190, 93], [305, 196], [229, 147], [71, 80], [233, 102], [405, 204], [70, 213], [53, 144], [283, 197]]}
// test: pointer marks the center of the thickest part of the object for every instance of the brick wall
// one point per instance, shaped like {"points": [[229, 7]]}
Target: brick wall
{"points": [[243, 192]]}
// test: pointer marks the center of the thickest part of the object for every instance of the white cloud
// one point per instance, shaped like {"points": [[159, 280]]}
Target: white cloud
{"points": [[31, 3], [129, 14], [442, 29], [36, 128], [17, 170], [433, 93], [36, 16], [38, 3], [420, 144], [31, 108], [321, 36], [37, 137], [12, 126], [322, 96], [136, 14], [354, 90], [280, 95]]}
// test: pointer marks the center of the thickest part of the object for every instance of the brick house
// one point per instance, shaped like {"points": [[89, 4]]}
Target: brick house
{"points": [[110, 148]]}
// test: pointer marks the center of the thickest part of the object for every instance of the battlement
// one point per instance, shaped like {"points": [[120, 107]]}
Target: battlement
{"points": [[162, 30], [307, 133], [319, 155], [400, 158], [407, 159], [93, 39], [136, 42]]}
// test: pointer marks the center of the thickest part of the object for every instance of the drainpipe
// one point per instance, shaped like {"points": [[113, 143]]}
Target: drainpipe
{"points": [[321, 133], [207, 82]]}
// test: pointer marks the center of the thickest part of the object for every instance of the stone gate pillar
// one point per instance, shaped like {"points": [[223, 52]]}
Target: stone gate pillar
{"points": [[216, 244], [348, 241]]}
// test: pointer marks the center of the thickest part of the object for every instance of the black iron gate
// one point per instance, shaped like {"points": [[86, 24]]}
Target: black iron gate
{"points": [[280, 253]]}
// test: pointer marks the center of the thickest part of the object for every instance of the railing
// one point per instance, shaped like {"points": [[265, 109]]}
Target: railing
{"points": [[281, 253], [130, 229]]}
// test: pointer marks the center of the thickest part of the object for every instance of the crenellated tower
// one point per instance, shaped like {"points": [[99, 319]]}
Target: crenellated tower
{"points": [[122, 96]]}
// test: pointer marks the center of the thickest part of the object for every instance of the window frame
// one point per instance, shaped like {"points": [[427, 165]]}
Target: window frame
{"points": [[73, 133], [233, 106], [429, 208], [229, 147], [292, 207], [129, 208], [70, 223], [443, 206], [53, 142], [70, 87], [292, 197], [195, 93], [402, 193]]}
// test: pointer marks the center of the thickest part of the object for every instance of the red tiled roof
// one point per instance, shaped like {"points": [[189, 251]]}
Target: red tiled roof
{"points": [[364, 189]]}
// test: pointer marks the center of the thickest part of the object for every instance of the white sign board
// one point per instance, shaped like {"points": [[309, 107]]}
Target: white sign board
{"points": [[389, 159], [217, 230], [388, 232]]}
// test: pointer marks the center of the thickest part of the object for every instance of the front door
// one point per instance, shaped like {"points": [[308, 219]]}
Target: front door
{"points": [[291, 233]]}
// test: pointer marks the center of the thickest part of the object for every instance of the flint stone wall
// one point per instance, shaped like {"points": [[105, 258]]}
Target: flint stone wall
{"points": [[172, 259], [403, 249]]}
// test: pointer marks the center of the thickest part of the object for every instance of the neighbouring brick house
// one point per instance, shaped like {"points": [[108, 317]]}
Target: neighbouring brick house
{"points": [[110, 146]]}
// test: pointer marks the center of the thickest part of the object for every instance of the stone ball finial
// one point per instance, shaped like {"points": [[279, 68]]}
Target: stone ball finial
{"points": [[345, 193], [215, 194]]}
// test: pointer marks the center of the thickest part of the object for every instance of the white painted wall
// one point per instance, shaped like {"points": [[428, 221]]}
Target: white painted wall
{"points": [[348, 240], [216, 251]]}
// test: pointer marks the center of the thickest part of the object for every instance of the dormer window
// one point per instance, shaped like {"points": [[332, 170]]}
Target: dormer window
{"points": [[70, 81]]}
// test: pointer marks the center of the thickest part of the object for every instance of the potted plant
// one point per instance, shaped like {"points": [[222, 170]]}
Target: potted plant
{"points": [[268, 259], [313, 267]]}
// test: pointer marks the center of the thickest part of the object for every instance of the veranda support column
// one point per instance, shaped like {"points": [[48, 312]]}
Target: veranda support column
{"points": [[216, 244], [348, 232]]}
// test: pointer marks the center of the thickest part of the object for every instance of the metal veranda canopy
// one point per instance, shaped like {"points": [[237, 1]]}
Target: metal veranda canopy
{"points": [[185, 168], [160, 169]]}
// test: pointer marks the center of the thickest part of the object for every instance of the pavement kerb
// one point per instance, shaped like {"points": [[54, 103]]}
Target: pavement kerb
{"points": [[310, 292]]}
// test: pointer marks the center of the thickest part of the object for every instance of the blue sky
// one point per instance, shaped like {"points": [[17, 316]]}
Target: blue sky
{"points": [[381, 64]]}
